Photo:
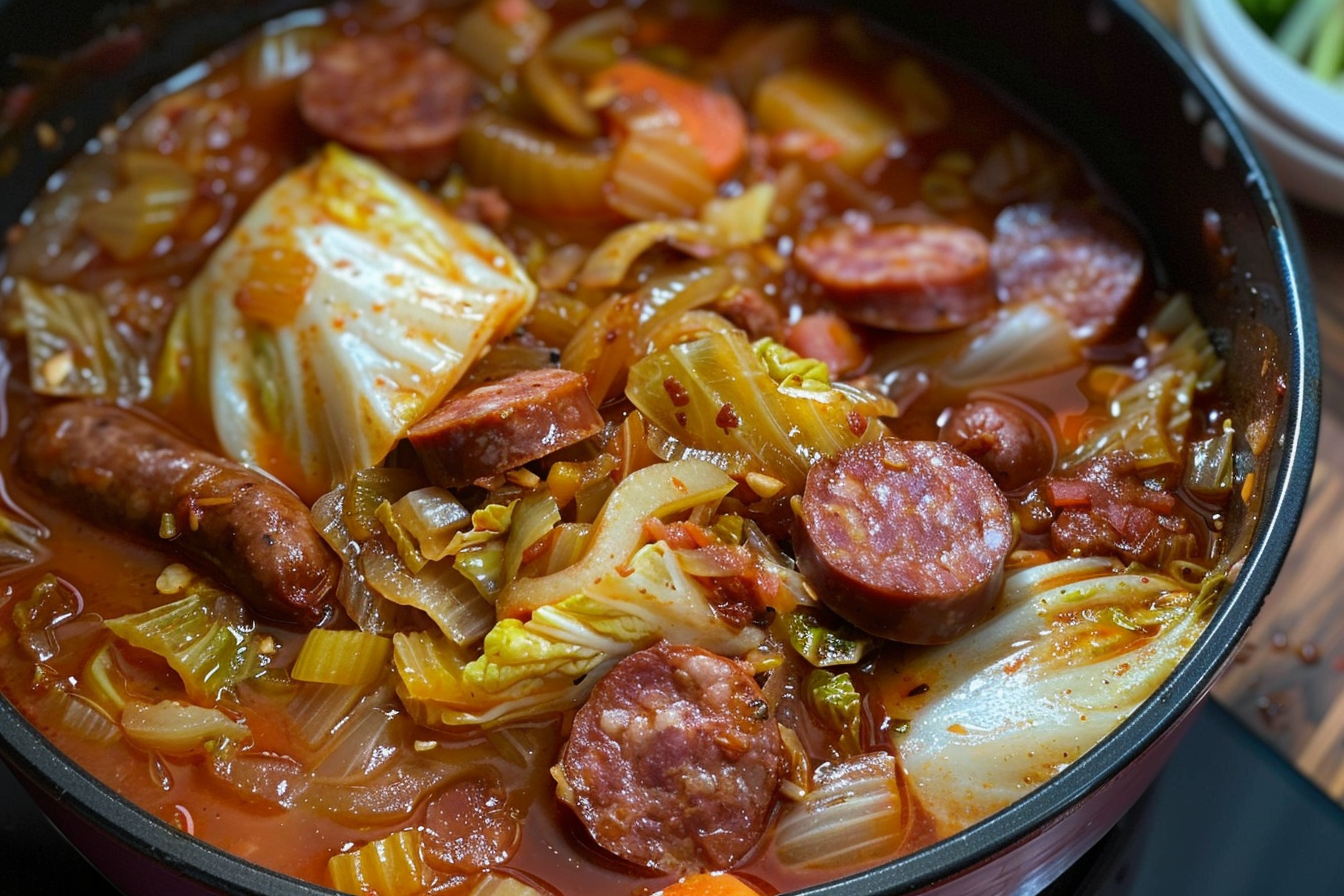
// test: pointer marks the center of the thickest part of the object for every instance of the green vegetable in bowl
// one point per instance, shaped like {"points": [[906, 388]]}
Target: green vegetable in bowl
{"points": [[1267, 13], [1310, 31]]}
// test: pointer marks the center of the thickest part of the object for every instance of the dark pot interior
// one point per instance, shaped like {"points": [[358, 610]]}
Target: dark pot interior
{"points": [[1113, 83]]}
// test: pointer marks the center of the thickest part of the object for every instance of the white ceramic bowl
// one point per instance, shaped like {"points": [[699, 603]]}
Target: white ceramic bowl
{"points": [[1277, 85], [1296, 121]]}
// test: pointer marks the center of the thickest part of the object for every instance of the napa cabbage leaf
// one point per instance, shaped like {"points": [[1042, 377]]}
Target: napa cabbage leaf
{"points": [[342, 307], [1072, 649]]}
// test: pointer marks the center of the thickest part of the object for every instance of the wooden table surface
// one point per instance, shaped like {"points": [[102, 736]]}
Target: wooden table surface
{"points": [[1287, 684]]}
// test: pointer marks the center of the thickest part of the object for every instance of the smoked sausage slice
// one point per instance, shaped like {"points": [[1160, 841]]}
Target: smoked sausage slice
{"points": [[502, 425], [120, 470], [1003, 438], [906, 540], [674, 760], [914, 278], [403, 101], [1082, 262]]}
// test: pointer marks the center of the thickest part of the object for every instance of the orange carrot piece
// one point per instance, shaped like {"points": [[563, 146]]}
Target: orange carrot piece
{"points": [[713, 120], [710, 884], [827, 337]]}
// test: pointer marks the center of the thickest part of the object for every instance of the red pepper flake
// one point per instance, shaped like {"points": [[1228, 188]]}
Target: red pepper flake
{"points": [[611, 336], [917, 690], [858, 424], [726, 419], [677, 392], [681, 418]]}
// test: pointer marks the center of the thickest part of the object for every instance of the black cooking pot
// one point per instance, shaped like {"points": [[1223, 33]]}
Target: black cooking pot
{"points": [[1109, 80]]}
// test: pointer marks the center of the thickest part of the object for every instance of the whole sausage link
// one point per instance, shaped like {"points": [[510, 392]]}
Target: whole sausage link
{"points": [[124, 472]]}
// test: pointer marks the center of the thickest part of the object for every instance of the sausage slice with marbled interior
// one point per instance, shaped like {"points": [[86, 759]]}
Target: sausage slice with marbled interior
{"points": [[119, 469], [1081, 261], [904, 539], [502, 425], [674, 760], [914, 278], [403, 101]]}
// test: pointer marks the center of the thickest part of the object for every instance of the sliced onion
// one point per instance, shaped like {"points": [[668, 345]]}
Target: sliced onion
{"points": [[852, 816], [178, 728], [264, 778], [609, 263], [362, 746], [589, 43], [439, 590]]}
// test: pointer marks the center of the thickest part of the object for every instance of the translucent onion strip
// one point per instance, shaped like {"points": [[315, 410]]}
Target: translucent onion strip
{"points": [[178, 729], [592, 42], [444, 594], [655, 491]]}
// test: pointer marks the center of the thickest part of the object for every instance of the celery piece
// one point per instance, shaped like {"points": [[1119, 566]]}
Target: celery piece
{"points": [[341, 657], [1302, 22], [391, 866], [1327, 53]]}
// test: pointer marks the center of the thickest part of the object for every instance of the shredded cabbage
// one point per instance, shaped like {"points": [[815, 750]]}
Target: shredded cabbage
{"points": [[374, 302], [1072, 649], [716, 394], [208, 637], [550, 661], [73, 348], [1150, 418]]}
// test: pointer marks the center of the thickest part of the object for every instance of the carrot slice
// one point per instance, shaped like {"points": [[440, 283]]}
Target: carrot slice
{"points": [[827, 337], [707, 884], [713, 120]]}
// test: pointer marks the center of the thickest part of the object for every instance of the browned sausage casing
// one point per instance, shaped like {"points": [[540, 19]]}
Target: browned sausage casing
{"points": [[906, 540], [674, 760], [501, 426], [122, 471], [403, 101], [1003, 438], [1084, 263], [914, 278]]}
